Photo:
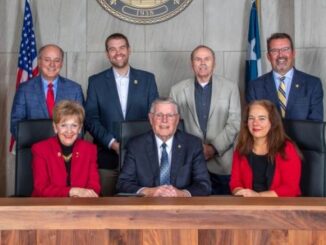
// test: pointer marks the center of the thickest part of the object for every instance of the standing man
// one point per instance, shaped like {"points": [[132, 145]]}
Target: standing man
{"points": [[118, 94], [36, 98], [165, 162], [298, 96], [210, 107]]}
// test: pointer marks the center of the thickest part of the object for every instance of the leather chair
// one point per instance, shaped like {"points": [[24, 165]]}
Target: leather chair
{"points": [[29, 132], [310, 138]]}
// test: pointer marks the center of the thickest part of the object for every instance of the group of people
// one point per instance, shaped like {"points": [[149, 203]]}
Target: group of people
{"points": [[219, 152]]}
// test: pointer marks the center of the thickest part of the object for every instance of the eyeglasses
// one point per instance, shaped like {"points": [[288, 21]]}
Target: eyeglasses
{"points": [[275, 51], [168, 116], [49, 60]]}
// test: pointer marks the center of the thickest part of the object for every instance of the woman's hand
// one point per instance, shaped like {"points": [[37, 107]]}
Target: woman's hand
{"points": [[82, 192], [246, 193]]}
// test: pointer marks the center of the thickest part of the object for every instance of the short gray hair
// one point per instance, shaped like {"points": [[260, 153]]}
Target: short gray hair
{"points": [[164, 100]]}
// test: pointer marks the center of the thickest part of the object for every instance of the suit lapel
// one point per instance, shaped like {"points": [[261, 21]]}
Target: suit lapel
{"points": [[177, 157], [38, 88], [60, 162], [270, 89], [61, 91], [152, 155], [132, 90], [190, 98], [297, 87], [113, 90], [215, 96]]}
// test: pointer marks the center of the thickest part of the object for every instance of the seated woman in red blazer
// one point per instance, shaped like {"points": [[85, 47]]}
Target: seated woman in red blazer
{"points": [[65, 166], [266, 162]]}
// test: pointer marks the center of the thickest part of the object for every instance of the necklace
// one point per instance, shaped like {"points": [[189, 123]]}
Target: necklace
{"points": [[67, 158]]}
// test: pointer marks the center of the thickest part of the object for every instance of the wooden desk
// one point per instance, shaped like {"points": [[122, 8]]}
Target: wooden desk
{"points": [[132, 220]]}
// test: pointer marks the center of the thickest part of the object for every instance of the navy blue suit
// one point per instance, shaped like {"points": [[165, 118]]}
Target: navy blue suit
{"points": [[104, 113], [305, 101], [188, 166], [30, 102]]}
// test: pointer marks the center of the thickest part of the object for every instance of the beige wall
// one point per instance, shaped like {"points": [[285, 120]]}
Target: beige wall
{"points": [[81, 26]]}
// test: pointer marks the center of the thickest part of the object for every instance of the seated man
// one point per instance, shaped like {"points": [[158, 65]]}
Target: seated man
{"points": [[165, 162]]}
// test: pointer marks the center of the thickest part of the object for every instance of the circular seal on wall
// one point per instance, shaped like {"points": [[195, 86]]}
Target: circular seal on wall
{"points": [[144, 11]]}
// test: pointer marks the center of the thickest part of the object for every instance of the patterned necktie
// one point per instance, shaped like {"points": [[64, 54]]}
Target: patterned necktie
{"points": [[164, 167], [50, 99], [282, 96]]}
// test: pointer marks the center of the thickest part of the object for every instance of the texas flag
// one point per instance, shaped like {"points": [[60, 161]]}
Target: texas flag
{"points": [[253, 62]]}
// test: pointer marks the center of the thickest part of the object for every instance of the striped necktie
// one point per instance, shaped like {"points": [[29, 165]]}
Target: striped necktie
{"points": [[282, 95], [164, 167]]}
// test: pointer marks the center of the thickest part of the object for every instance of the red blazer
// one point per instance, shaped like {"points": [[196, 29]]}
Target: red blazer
{"points": [[49, 170], [286, 179]]}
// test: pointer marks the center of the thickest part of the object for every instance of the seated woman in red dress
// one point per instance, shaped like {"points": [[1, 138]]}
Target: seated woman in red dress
{"points": [[266, 162], [64, 165]]}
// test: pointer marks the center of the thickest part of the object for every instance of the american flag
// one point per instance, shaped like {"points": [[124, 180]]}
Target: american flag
{"points": [[27, 61]]}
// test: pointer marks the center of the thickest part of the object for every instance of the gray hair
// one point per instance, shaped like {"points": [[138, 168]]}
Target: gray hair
{"points": [[164, 100]]}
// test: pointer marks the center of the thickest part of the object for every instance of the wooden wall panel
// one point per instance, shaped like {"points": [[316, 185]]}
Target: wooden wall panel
{"points": [[48, 237], [165, 237], [125, 237], [22, 237], [9, 237], [146, 221]]}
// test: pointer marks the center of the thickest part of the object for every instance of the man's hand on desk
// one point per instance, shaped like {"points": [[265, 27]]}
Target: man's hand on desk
{"points": [[164, 191]]}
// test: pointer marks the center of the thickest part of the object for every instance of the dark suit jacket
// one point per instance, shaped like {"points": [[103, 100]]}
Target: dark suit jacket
{"points": [[49, 170], [104, 113], [30, 102], [188, 166], [305, 100]]}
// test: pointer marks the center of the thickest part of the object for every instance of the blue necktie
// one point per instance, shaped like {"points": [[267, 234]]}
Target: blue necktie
{"points": [[164, 167]]}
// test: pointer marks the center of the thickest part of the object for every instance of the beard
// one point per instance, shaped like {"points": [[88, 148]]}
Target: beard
{"points": [[120, 64]]}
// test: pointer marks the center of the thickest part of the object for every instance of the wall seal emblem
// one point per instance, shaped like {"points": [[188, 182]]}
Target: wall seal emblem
{"points": [[144, 11]]}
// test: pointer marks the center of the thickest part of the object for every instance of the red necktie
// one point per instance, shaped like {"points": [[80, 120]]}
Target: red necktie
{"points": [[50, 99]]}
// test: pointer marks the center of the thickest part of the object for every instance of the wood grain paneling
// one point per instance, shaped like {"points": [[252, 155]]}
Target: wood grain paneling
{"points": [[163, 221]]}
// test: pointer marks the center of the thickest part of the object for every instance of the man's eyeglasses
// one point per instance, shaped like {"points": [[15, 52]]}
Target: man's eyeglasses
{"points": [[275, 51], [168, 116]]}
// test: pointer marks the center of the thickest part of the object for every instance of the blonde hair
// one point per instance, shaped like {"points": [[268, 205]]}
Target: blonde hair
{"points": [[67, 108]]}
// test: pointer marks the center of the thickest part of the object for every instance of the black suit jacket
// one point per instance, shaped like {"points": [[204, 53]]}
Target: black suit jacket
{"points": [[305, 100], [188, 166]]}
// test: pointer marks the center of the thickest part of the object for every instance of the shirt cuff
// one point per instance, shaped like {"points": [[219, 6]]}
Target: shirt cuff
{"points": [[140, 190], [111, 142], [187, 192]]}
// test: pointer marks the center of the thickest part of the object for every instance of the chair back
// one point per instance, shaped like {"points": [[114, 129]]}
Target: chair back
{"points": [[131, 129], [29, 132], [310, 138]]}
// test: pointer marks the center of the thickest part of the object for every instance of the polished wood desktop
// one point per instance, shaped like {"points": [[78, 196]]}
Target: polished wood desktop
{"points": [[135, 220]]}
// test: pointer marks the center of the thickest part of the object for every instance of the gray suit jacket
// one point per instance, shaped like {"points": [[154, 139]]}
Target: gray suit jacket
{"points": [[223, 122]]}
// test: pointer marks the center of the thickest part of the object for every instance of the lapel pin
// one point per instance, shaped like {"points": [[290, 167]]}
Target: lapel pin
{"points": [[179, 146], [135, 82], [297, 85]]}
